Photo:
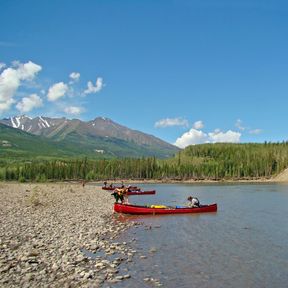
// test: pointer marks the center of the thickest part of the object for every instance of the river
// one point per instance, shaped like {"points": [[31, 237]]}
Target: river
{"points": [[243, 244]]}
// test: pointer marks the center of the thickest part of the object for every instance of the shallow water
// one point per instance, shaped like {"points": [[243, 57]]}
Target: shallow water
{"points": [[244, 244]]}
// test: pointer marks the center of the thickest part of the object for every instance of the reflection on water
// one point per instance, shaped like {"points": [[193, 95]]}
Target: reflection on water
{"points": [[244, 244]]}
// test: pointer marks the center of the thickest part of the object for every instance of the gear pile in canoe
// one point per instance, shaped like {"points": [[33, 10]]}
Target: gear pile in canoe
{"points": [[162, 209]]}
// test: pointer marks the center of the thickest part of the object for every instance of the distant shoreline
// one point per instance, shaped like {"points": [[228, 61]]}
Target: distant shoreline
{"points": [[164, 181], [138, 181], [280, 178]]}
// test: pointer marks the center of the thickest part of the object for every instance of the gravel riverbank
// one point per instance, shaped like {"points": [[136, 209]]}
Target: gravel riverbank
{"points": [[45, 228]]}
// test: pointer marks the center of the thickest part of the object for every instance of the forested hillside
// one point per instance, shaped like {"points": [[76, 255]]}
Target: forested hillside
{"points": [[199, 162], [231, 161]]}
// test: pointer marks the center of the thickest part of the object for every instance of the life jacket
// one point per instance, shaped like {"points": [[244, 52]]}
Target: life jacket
{"points": [[158, 206]]}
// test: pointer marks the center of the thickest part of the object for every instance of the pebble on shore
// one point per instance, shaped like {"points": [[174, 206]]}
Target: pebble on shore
{"points": [[45, 226]]}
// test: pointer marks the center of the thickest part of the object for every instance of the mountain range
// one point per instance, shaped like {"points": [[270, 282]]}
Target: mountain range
{"points": [[97, 138]]}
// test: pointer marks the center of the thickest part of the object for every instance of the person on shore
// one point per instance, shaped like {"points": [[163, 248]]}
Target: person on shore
{"points": [[121, 194], [118, 194], [193, 202], [125, 195]]}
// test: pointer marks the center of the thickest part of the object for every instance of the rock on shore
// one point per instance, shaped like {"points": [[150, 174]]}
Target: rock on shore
{"points": [[282, 177], [44, 230]]}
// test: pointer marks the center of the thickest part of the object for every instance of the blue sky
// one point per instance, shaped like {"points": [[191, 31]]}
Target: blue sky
{"points": [[185, 71]]}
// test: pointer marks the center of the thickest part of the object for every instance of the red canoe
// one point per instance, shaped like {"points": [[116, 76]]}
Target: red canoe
{"points": [[115, 187], [141, 210], [142, 192]]}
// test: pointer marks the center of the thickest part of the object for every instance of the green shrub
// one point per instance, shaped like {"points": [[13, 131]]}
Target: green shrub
{"points": [[41, 178], [21, 179]]}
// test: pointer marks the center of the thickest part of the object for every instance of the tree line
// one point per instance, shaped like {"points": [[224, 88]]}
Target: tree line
{"points": [[200, 162]]}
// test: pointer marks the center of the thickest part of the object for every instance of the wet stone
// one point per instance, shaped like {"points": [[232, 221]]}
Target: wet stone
{"points": [[127, 276], [120, 277], [146, 279]]}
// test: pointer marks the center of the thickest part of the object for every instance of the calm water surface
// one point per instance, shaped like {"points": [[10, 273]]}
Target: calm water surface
{"points": [[244, 244]]}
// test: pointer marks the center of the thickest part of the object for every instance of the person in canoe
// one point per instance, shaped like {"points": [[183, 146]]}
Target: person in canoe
{"points": [[105, 184], [193, 202]]}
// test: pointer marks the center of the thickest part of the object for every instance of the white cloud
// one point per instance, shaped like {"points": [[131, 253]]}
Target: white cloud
{"points": [[198, 125], [194, 136], [74, 110], [255, 131], [74, 76], [229, 136], [29, 103], [57, 91], [239, 125], [28, 70], [12, 78], [191, 137], [169, 122], [5, 106], [94, 89]]}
